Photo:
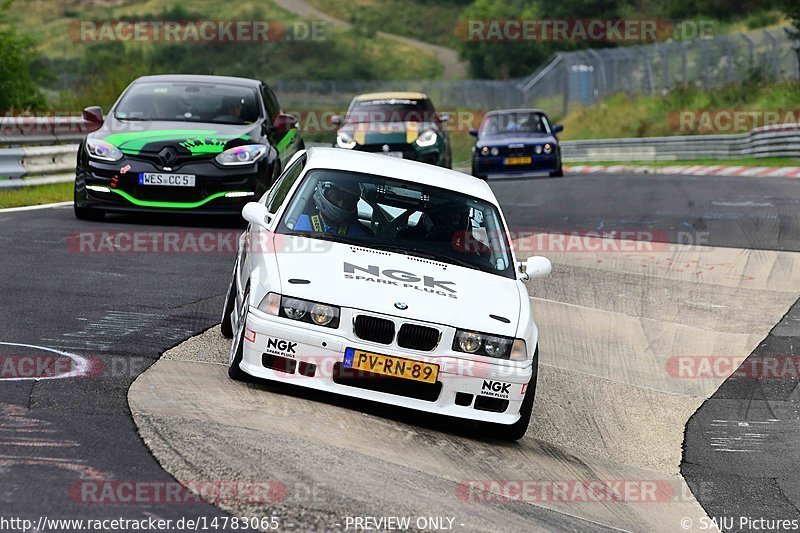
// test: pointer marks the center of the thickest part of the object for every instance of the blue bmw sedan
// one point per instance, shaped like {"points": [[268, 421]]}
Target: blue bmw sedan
{"points": [[516, 142]]}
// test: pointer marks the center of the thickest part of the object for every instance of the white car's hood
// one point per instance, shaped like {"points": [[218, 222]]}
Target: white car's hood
{"points": [[375, 280]]}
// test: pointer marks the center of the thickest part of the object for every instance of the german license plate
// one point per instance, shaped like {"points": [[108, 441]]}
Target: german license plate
{"points": [[167, 180], [390, 366], [518, 161]]}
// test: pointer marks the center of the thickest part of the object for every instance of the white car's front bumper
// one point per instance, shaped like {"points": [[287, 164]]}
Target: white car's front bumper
{"points": [[493, 386]]}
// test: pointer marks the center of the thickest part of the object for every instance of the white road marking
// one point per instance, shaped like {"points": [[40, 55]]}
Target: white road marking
{"points": [[82, 365], [34, 207]]}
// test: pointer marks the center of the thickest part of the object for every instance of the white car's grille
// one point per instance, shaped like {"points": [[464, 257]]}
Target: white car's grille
{"points": [[375, 329], [418, 337], [382, 331]]}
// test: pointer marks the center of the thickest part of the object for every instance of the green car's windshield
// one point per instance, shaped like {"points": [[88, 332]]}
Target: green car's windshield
{"points": [[189, 102], [399, 216]]}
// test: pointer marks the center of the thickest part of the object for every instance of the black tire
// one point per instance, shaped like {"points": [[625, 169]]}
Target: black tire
{"points": [[237, 345], [475, 173], [226, 324], [559, 172], [518, 429], [86, 213]]}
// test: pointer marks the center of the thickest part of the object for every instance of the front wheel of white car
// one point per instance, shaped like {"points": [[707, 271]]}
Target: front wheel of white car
{"points": [[518, 429], [226, 325], [237, 345]]}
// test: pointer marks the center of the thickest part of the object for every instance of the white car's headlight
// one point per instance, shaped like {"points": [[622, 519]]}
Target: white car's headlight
{"points": [[102, 150], [490, 345], [428, 138], [345, 140], [271, 304], [242, 155], [307, 311], [322, 314]]}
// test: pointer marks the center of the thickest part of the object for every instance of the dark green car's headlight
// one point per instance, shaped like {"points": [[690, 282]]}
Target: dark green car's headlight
{"points": [[427, 138], [494, 346]]}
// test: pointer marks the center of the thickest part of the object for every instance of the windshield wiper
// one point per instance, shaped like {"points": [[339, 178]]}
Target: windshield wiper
{"points": [[425, 254]]}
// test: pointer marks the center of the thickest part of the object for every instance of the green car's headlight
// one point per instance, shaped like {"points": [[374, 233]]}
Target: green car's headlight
{"points": [[242, 155], [102, 150]]}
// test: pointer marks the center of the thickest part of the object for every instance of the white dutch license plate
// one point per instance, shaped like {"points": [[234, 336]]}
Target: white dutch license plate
{"points": [[394, 154], [168, 180]]}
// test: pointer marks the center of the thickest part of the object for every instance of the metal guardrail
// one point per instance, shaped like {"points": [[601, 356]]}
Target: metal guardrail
{"points": [[769, 141], [39, 150], [30, 154]]}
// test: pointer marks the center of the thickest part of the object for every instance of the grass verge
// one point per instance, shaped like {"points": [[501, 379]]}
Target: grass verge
{"points": [[36, 195], [686, 111]]}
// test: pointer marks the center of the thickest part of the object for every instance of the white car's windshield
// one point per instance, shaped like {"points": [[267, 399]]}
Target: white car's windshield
{"points": [[400, 216]]}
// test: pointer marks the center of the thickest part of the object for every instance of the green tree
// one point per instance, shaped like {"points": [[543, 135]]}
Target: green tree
{"points": [[791, 8], [496, 58], [19, 82]]}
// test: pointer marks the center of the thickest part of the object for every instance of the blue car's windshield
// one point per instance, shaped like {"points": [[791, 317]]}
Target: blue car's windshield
{"points": [[515, 122]]}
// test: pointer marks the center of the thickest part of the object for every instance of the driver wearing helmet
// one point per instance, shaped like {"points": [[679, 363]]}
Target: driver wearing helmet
{"points": [[448, 219], [336, 210], [439, 224]]}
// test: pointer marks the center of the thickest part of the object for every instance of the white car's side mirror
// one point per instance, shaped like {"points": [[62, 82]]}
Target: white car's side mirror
{"points": [[535, 266], [257, 214]]}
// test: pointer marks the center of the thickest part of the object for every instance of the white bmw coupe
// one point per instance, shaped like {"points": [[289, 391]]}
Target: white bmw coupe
{"points": [[386, 280]]}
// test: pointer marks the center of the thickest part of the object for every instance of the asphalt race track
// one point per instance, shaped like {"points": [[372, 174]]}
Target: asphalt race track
{"points": [[616, 323]]}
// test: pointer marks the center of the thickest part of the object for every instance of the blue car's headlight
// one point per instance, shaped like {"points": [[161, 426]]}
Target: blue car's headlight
{"points": [[102, 150], [242, 155], [428, 138]]}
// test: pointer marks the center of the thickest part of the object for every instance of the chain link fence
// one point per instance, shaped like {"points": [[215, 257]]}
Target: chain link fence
{"points": [[585, 77]]}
